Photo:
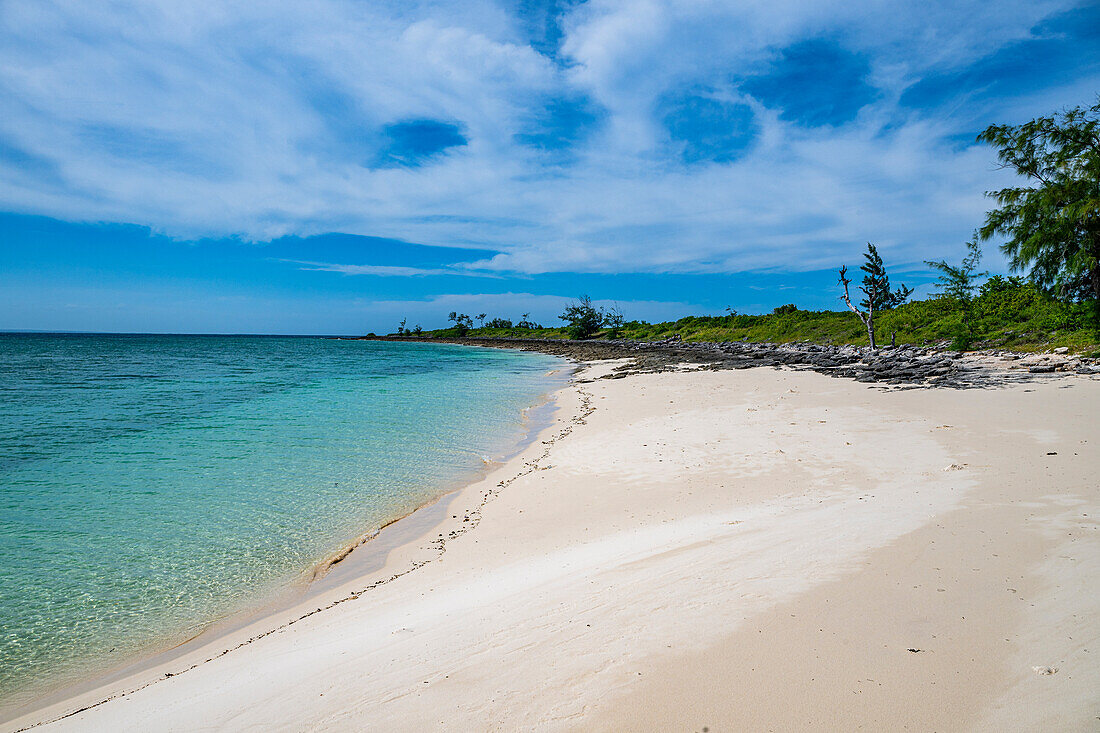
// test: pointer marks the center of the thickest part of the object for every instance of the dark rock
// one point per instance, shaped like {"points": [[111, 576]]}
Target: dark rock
{"points": [[905, 367]]}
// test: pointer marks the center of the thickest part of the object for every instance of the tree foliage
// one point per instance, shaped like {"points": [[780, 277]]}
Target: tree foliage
{"points": [[877, 282], [959, 282], [877, 295], [613, 321], [583, 319], [1053, 226], [1001, 284], [463, 323]]}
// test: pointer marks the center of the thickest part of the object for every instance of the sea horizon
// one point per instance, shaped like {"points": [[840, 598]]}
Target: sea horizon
{"points": [[32, 331]]}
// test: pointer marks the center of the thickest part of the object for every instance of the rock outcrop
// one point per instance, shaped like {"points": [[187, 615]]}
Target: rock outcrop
{"points": [[902, 366]]}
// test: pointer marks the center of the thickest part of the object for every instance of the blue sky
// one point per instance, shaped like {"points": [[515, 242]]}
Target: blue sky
{"points": [[332, 167]]}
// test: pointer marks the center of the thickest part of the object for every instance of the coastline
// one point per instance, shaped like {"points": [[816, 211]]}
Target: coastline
{"points": [[703, 548], [906, 366], [325, 582]]}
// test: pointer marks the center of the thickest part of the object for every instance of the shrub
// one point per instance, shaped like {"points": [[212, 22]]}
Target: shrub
{"points": [[582, 318]]}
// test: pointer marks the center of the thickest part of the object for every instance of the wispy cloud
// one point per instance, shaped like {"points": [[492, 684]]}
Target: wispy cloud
{"points": [[389, 270]]}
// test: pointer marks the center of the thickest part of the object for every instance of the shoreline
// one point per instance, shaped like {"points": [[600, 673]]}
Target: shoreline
{"points": [[737, 549], [904, 367], [366, 554]]}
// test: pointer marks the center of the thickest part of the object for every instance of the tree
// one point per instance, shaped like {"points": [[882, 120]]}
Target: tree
{"points": [[463, 323], [876, 291], [582, 318], [613, 321], [1000, 284], [1053, 226], [481, 318], [868, 318], [877, 281], [959, 283], [401, 327]]}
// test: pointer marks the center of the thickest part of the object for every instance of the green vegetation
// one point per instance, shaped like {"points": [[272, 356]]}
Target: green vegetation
{"points": [[1006, 312], [876, 284], [583, 320], [463, 323], [1054, 225], [875, 289], [959, 283]]}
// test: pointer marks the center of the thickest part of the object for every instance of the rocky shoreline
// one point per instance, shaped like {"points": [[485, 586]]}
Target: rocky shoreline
{"points": [[901, 366]]}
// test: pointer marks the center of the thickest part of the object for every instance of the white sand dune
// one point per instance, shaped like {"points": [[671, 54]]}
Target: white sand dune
{"points": [[750, 550]]}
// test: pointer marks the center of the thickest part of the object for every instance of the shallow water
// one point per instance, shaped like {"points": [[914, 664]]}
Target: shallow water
{"points": [[151, 484]]}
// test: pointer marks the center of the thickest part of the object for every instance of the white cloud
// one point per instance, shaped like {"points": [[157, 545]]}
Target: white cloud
{"points": [[388, 270], [261, 119]]}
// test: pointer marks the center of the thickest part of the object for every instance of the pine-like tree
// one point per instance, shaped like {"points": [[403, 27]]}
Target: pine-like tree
{"points": [[875, 289], [1053, 226]]}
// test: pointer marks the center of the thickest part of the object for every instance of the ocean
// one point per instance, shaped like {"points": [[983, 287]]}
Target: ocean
{"points": [[152, 484]]}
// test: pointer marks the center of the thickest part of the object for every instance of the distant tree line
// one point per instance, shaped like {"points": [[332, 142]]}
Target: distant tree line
{"points": [[462, 324]]}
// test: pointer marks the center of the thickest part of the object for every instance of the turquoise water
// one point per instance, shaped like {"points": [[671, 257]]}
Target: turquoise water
{"points": [[151, 484]]}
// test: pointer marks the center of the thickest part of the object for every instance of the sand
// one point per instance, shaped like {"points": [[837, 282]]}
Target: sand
{"points": [[738, 550]]}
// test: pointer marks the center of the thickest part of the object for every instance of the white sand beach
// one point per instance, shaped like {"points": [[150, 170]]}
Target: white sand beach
{"points": [[720, 550]]}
